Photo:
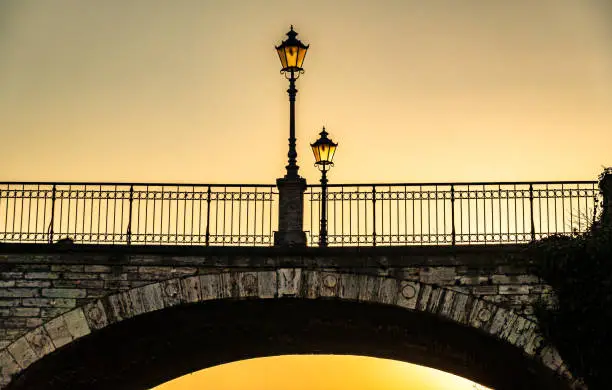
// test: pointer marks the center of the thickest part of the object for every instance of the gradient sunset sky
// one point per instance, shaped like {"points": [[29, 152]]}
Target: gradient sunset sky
{"points": [[414, 91]]}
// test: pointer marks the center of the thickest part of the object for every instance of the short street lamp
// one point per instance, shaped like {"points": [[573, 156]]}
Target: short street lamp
{"points": [[324, 150], [292, 53]]}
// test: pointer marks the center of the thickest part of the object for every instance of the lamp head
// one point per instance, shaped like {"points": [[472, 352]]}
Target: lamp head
{"points": [[292, 53], [324, 150]]}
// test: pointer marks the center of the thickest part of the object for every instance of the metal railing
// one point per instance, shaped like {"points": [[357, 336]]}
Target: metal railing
{"points": [[156, 214], [450, 213], [235, 214]]}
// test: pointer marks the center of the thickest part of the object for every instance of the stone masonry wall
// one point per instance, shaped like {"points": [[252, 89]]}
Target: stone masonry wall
{"points": [[36, 287]]}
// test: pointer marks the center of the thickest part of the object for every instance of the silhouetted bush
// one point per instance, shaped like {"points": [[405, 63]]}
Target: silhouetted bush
{"points": [[577, 319]]}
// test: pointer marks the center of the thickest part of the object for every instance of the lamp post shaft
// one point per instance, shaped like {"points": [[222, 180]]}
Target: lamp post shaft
{"points": [[292, 167], [323, 232]]}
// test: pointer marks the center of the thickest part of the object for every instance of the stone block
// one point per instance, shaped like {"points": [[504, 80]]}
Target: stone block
{"points": [[66, 268], [310, 284], [191, 289], [289, 282], [454, 306], [11, 275], [120, 306], [25, 311], [513, 327], [152, 297], [13, 323], [228, 286], [122, 276], [8, 365], [267, 284], [154, 273], [424, 297], [15, 333], [551, 358], [533, 343], [435, 299], [49, 302], [88, 284], [40, 342], [51, 312], [33, 283], [57, 329], [41, 275], [210, 285], [368, 288], [76, 323], [33, 322], [514, 289], [481, 313], [95, 313], [40, 267], [503, 279], [97, 268], [80, 276], [349, 286], [9, 302], [171, 292], [7, 283], [500, 319], [19, 292], [387, 292], [22, 352], [485, 290], [329, 284], [438, 275], [408, 294], [248, 285], [64, 293]]}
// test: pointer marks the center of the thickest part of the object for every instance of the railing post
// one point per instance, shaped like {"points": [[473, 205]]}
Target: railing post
{"points": [[533, 237], [129, 227], [290, 212], [208, 200], [53, 195], [453, 214], [373, 215]]}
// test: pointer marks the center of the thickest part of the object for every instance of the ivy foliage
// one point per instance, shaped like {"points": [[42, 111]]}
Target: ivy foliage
{"points": [[578, 319]]}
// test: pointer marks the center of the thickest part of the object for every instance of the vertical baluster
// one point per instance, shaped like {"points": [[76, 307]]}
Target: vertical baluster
{"points": [[374, 215], [453, 238], [129, 227], [208, 200], [531, 212], [53, 194]]}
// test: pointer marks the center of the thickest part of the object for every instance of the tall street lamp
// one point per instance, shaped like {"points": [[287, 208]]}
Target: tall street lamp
{"points": [[291, 187], [323, 150], [292, 53]]}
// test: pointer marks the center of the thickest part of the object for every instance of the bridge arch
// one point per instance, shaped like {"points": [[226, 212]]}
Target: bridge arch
{"points": [[293, 310]]}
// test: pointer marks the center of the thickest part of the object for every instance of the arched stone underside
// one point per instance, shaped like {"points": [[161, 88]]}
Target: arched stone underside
{"points": [[139, 338]]}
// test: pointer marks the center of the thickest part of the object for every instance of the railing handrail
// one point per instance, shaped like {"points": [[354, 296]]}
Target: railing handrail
{"points": [[458, 183], [127, 184], [230, 185]]}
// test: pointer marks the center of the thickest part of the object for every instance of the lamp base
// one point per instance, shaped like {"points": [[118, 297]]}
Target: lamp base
{"points": [[292, 238], [290, 212]]}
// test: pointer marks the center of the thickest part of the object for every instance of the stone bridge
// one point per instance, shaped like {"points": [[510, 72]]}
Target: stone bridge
{"points": [[82, 316]]}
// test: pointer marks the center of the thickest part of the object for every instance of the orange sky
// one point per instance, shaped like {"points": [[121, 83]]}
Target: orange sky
{"points": [[324, 372], [190, 91]]}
